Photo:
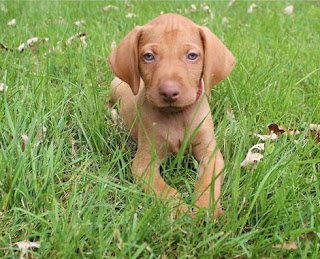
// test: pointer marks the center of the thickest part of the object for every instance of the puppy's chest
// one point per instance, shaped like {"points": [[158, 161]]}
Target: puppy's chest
{"points": [[173, 133]]}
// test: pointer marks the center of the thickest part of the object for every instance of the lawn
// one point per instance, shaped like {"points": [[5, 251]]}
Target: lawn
{"points": [[65, 180]]}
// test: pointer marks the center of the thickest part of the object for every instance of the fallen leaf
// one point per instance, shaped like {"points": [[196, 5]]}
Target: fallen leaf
{"points": [[130, 15], [12, 22], [40, 135], [21, 47], [231, 2], [108, 7], [314, 127], [287, 246], [276, 129], [253, 157], [251, 7], [230, 115], [207, 9], [192, 8], [127, 5], [116, 119], [288, 10], [114, 115], [82, 36], [79, 23], [117, 236], [225, 20], [25, 140], [3, 8], [83, 40], [26, 245], [113, 45], [293, 131], [62, 21], [30, 43], [3, 87], [2, 46], [271, 136]]}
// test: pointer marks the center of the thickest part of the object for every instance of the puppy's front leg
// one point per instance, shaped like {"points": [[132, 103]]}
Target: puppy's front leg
{"points": [[146, 169], [208, 187]]}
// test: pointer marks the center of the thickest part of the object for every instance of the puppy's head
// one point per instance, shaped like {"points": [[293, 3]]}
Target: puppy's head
{"points": [[172, 55]]}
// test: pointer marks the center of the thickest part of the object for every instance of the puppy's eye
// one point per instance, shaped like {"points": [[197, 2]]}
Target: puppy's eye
{"points": [[148, 57], [192, 56]]}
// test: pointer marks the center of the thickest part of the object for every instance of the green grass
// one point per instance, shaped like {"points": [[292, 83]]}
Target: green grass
{"points": [[74, 193]]}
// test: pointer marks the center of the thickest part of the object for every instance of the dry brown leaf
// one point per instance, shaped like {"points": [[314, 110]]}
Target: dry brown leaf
{"points": [[230, 115], [205, 8], [113, 44], [314, 127], [116, 119], [109, 7], [271, 136], [231, 2], [251, 7], [40, 135], [30, 43], [25, 140], [12, 22], [288, 10], [317, 139], [3, 8], [253, 157], [79, 23], [3, 87], [293, 131], [2, 46], [130, 15], [21, 47], [276, 129], [192, 8], [225, 20], [26, 245], [127, 5], [117, 236], [287, 246], [82, 36]]}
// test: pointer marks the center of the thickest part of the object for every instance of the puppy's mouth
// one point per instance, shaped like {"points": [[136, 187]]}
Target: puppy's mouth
{"points": [[171, 108]]}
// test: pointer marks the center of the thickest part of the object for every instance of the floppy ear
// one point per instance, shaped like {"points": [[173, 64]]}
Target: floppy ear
{"points": [[218, 60], [123, 59]]}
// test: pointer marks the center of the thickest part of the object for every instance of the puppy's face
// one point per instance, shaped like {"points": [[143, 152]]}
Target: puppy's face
{"points": [[172, 55], [170, 63]]}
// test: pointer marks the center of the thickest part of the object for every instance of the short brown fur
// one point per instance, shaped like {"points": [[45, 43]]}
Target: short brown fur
{"points": [[160, 126]]}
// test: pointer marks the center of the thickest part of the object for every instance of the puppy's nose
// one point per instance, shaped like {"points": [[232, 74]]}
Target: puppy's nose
{"points": [[170, 91]]}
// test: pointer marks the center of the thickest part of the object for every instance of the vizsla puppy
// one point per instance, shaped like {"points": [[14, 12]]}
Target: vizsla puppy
{"points": [[165, 70]]}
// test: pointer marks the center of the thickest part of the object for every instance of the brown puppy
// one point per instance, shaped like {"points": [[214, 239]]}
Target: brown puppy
{"points": [[164, 71]]}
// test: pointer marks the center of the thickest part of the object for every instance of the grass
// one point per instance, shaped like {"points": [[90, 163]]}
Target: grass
{"points": [[74, 192]]}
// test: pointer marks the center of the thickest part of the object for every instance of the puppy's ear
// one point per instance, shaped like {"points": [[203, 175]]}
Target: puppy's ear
{"points": [[123, 59], [218, 60]]}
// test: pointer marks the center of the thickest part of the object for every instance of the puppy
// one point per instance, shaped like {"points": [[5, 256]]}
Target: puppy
{"points": [[164, 73]]}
